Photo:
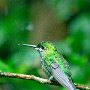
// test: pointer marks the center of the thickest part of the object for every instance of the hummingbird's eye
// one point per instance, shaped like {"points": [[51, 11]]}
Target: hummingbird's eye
{"points": [[42, 47]]}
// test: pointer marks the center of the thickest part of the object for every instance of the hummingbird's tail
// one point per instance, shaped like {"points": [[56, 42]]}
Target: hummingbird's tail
{"points": [[61, 77], [72, 83]]}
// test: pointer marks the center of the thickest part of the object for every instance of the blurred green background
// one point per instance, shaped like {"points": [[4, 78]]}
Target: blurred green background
{"points": [[66, 23]]}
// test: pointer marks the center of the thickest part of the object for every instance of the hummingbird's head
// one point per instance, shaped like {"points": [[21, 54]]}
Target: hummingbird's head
{"points": [[46, 49], [45, 46], [42, 47]]}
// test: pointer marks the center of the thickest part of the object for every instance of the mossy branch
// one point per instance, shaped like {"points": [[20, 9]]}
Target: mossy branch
{"points": [[38, 79]]}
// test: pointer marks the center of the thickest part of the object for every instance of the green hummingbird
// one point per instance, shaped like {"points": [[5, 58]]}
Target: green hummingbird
{"points": [[53, 64]]}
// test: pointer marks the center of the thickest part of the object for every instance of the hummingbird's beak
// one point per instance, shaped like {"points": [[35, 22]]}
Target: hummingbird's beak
{"points": [[34, 46]]}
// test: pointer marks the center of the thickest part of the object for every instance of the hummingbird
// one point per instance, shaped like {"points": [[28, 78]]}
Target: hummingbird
{"points": [[53, 64]]}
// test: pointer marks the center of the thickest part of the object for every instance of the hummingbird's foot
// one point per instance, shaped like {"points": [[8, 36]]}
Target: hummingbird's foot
{"points": [[51, 78]]}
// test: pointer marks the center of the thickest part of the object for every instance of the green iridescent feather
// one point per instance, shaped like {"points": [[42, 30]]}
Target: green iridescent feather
{"points": [[54, 64], [50, 55]]}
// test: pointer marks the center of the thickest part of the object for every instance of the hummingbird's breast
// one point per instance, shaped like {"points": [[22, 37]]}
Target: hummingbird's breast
{"points": [[46, 60], [45, 67]]}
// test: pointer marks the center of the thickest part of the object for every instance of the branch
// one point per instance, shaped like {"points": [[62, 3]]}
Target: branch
{"points": [[38, 79]]}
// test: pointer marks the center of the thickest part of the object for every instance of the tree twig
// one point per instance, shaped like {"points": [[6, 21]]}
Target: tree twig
{"points": [[38, 79]]}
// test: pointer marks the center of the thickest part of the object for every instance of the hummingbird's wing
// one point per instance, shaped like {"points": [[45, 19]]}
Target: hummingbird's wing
{"points": [[67, 67], [61, 77]]}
